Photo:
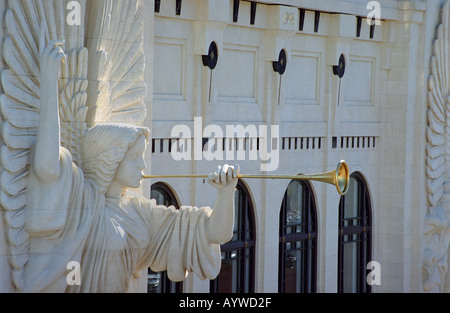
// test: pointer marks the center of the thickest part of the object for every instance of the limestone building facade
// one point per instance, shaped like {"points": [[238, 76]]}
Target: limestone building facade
{"points": [[374, 117]]}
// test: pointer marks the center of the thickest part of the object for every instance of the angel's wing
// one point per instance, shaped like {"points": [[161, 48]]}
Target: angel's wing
{"points": [[73, 82], [20, 106], [438, 148], [116, 62]]}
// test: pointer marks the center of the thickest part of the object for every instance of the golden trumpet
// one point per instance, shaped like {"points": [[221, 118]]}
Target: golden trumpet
{"points": [[339, 177]]}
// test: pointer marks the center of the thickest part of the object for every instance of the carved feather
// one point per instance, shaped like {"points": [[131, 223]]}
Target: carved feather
{"points": [[20, 104], [20, 110], [72, 102], [119, 90], [438, 123], [438, 157]]}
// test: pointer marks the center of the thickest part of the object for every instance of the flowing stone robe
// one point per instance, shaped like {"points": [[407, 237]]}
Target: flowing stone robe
{"points": [[69, 220]]}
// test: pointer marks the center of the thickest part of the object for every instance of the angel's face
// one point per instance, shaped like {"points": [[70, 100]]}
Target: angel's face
{"points": [[130, 170]]}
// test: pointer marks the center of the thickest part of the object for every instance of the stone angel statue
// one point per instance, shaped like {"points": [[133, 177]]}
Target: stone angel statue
{"points": [[436, 277], [72, 156]]}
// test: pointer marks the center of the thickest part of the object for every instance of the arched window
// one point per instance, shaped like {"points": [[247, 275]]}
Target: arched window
{"points": [[238, 256], [159, 282], [298, 240], [163, 195], [355, 237]]}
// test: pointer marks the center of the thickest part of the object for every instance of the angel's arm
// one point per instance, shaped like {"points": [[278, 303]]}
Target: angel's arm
{"points": [[47, 149], [219, 229]]}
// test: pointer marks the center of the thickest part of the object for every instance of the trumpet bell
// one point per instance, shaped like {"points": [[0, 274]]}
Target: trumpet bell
{"points": [[342, 178]]}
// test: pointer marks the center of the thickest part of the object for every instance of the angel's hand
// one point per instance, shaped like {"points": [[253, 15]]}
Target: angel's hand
{"points": [[51, 56], [225, 176]]}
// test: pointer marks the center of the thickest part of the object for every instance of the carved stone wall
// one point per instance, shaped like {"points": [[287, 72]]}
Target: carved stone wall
{"points": [[374, 116]]}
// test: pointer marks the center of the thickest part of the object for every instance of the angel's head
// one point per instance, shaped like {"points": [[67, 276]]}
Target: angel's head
{"points": [[114, 153]]}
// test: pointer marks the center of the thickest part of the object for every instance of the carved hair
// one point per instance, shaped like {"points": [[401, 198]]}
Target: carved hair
{"points": [[104, 147]]}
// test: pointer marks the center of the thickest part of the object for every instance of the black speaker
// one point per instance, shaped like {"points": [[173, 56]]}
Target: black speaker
{"points": [[280, 66], [212, 58]]}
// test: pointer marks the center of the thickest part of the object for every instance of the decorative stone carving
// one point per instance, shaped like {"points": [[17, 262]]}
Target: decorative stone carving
{"points": [[437, 231], [72, 156]]}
